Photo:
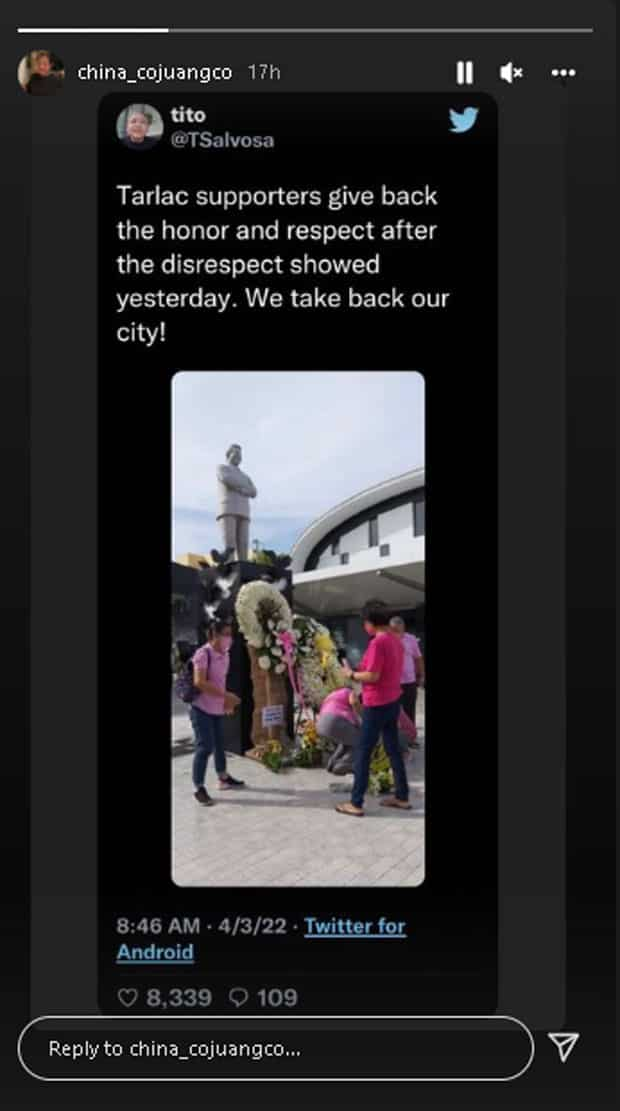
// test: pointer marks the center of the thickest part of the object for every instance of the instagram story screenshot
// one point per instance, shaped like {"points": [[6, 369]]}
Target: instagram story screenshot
{"points": [[308, 555]]}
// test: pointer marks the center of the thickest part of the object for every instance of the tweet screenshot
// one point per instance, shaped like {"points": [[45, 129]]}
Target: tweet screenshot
{"points": [[316, 785]]}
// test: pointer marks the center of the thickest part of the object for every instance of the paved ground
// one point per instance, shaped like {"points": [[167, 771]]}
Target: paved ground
{"points": [[282, 829]]}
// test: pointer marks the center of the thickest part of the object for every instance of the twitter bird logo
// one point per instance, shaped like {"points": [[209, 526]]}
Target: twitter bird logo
{"points": [[463, 121]]}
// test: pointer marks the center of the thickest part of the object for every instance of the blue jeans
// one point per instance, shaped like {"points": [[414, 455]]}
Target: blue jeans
{"points": [[208, 733], [377, 720]]}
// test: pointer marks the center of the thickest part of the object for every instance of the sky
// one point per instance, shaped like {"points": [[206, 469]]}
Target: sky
{"points": [[310, 439]]}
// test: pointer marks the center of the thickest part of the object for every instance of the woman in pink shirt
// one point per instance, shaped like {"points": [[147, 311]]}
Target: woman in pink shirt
{"points": [[211, 663], [340, 721]]}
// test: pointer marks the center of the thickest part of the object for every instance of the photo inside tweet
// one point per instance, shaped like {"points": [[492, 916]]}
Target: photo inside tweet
{"points": [[298, 600]]}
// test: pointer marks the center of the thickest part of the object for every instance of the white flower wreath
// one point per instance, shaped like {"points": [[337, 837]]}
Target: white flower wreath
{"points": [[318, 678], [261, 609]]}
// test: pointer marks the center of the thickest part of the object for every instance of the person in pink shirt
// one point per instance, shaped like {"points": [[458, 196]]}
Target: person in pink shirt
{"points": [[379, 673], [413, 666], [340, 722], [341, 703], [210, 664]]}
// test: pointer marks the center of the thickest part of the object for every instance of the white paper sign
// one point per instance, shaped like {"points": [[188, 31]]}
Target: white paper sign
{"points": [[273, 715]]}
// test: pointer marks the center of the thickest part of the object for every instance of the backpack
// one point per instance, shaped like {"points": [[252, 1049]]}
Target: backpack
{"points": [[184, 683]]}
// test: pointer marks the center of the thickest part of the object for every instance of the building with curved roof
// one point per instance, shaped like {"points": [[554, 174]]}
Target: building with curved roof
{"points": [[369, 546]]}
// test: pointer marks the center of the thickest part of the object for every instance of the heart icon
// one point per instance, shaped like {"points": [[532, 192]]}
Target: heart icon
{"points": [[127, 996]]}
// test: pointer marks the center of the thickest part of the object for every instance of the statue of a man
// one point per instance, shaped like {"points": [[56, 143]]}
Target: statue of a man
{"points": [[235, 489]]}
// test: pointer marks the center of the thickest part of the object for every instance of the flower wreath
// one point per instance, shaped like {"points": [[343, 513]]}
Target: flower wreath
{"points": [[317, 660], [263, 613]]}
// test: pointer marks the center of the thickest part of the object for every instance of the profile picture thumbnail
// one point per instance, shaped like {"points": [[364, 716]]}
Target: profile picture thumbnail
{"points": [[139, 127], [41, 73]]}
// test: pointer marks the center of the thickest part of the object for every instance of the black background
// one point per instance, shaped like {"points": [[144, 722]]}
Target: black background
{"points": [[448, 963], [590, 498]]}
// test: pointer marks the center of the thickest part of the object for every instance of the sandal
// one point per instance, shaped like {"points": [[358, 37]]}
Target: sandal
{"points": [[397, 804], [350, 809]]}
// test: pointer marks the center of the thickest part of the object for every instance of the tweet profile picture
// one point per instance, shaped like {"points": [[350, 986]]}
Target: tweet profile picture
{"points": [[139, 127], [41, 73]]}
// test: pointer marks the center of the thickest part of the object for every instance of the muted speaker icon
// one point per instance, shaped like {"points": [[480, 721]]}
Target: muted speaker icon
{"points": [[510, 72]]}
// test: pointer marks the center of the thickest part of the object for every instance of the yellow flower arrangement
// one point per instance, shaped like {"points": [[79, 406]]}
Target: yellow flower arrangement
{"points": [[272, 756], [309, 735], [324, 646], [309, 753], [381, 778]]}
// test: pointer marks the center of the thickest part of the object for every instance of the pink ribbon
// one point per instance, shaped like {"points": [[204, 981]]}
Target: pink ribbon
{"points": [[287, 642]]}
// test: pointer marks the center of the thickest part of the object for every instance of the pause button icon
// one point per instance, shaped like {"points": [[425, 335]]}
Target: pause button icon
{"points": [[464, 73]]}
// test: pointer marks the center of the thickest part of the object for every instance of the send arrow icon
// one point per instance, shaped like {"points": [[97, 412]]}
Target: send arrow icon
{"points": [[564, 1043]]}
